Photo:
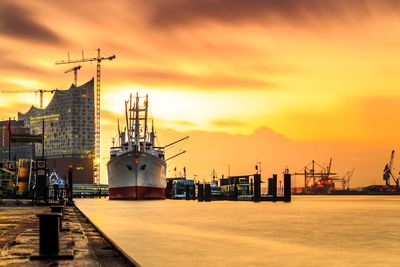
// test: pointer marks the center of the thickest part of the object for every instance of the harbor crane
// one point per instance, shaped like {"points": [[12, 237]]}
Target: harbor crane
{"points": [[98, 59], [387, 172], [346, 179], [75, 70], [322, 180], [40, 91]]}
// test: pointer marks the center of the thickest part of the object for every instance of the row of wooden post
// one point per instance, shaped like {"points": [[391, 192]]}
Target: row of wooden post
{"points": [[204, 190], [272, 187]]}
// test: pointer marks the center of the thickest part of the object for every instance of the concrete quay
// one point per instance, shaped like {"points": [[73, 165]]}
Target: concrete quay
{"points": [[19, 239]]}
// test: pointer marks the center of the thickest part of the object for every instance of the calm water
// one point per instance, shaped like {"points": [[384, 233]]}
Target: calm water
{"points": [[310, 231]]}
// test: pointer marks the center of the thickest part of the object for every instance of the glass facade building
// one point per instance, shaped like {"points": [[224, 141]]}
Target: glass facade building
{"points": [[68, 123]]}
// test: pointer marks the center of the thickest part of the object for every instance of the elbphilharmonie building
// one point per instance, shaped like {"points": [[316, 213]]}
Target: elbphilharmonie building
{"points": [[69, 137]]}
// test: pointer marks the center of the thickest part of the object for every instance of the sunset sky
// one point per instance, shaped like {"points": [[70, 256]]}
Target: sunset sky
{"points": [[280, 82]]}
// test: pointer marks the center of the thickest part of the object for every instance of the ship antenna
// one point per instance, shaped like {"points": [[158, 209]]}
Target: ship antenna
{"points": [[152, 133]]}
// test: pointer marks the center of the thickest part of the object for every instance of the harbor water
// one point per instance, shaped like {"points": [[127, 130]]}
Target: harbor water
{"points": [[309, 231]]}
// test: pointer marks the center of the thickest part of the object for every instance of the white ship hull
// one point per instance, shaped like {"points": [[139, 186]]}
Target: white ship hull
{"points": [[136, 175]]}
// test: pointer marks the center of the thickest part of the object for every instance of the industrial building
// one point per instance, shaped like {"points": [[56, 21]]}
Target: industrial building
{"points": [[68, 126], [14, 151]]}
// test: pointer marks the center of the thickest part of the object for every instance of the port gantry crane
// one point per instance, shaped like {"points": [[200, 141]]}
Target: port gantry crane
{"points": [[75, 70], [346, 179], [99, 59], [387, 172], [321, 181], [40, 91]]}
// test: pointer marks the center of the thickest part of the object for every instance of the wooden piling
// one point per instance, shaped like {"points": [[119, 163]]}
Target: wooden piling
{"points": [[274, 186], [200, 192], [257, 188], [270, 186], [207, 192], [287, 197]]}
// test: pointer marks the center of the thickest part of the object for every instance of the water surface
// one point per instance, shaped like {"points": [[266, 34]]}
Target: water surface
{"points": [[309, 231]]}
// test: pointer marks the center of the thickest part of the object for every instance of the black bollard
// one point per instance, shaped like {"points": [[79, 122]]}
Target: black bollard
{"points": [[58, 209], [49, 233], [70, 186], [287, 197], [200, 192], [207, 192], [257, 188], [274, 186]]}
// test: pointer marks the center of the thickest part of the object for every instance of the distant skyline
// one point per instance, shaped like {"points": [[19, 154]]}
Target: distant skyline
{"points": [[323, 75]]}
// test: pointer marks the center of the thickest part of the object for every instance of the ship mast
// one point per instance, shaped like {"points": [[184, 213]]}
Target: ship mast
{"points": [[145, 122], [152, 133], [126, 117], [137, 130]]}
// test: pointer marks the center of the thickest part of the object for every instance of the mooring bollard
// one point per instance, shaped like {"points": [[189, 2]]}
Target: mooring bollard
{"points": [[49, 233], [207, 192], [257, 188], [70, 186], [274, 186], [58, 209], [200, 192], [287, 197]]}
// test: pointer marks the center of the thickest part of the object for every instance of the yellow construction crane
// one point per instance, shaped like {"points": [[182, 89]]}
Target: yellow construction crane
{"points": [[75, 70], [99, 58], [40, 91]]}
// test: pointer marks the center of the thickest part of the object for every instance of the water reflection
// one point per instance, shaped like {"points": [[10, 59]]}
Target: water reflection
{"points": [[312, 230]]}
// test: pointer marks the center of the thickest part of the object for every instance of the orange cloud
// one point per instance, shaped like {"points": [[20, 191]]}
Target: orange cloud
{"points": [[180, 13], [229, 123], [16, 22]]}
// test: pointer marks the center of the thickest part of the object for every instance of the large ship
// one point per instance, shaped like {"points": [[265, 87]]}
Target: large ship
{"points": [[137, 168]]}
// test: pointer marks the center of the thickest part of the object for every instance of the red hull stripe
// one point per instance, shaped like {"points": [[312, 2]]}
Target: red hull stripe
{"points": [[136, 192]]}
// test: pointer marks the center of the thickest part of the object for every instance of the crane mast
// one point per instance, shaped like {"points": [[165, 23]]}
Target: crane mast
{"points": [[98, 59], [75, 70], [387, 172]]}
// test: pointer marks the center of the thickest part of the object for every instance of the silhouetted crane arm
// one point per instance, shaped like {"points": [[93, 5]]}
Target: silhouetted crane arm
{"points": [[84, 60], [73, 69]]}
